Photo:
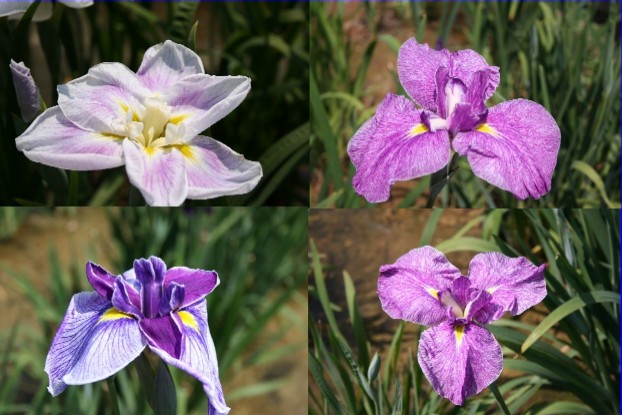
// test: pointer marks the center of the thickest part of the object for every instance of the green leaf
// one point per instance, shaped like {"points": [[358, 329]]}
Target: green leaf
{"points": [[569, 307], [467, 243], [591, 174]]}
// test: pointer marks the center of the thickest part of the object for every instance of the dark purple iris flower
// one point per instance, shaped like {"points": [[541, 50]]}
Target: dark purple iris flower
{"points": [[512, 145], [105, 330], [457, 355]]}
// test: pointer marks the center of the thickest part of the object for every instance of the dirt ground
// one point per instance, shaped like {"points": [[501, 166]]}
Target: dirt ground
{"points": [[82, 234]]}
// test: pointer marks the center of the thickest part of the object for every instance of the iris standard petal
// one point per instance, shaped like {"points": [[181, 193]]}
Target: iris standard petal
{"points": [[28, 97], [55, 141], [202, 100], [126, 299], [465, 64], [515, 150], [166, 63], [159, 173], [394, 145], [100, 279], [409, 289], [199, 355], [417, 65], [515, 283], [164, 333], [197, 283], [93, 342], [215, 170], [459, 361], [102, 99]]}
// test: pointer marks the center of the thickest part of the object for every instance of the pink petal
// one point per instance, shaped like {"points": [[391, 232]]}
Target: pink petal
{"points": [[159, 174], [55, 141], [166, 63], [464, 64], [385, 150], [516, 149]]}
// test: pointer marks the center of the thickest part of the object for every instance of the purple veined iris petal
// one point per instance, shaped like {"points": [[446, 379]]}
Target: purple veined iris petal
{"points": [[197, 283], [101, 280]]}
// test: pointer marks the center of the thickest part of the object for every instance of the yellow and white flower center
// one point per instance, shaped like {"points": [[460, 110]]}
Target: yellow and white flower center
{"points": [[154, 125]]}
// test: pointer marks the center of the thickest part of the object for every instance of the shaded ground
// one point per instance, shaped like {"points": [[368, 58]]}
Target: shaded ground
{"points": [[82, 234]]}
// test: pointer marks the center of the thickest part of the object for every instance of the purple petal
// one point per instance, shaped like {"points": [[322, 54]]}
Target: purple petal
{"points": [[465, 64], [394, 145], [459, 362], [167, 63], [198, 356], [100, 100], [164, 333], [150, 272], [172, 299], [409, 289], [92, 343], [515, 283], [53, 140], [101, 280], [516, 149], [417, 65], [205, 99], [215, 170], [159, 174], [126, 299], [28, 97], [197, 282]]}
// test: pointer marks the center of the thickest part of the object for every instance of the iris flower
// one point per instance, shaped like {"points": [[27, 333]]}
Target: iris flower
{"points": [[147, 306], [512, 145], [16, 8], [150, 121], [458, 356]]}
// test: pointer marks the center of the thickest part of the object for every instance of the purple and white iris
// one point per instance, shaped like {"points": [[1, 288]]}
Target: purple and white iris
{"points": [[105, 330], [512, 145], [16, 8], [458, 356], [150, 121]]}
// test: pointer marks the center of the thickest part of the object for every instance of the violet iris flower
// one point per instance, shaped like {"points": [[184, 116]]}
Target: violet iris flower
{"points": [[105, 330], [458, 356], [512, 145], [149, 121]]}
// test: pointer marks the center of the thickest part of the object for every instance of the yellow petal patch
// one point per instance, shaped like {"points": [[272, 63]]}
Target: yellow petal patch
{"points": [[188, 320], [432, 292], [492, 290], [418, 129], [459, 332], [178, 118], [113, 314], [150, 150], [485, 128], [125, 107]]}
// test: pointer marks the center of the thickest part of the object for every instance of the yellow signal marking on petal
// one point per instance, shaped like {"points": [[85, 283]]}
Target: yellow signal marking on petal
{"points": [[178, 118], [492, 290], [113, 136], [125, 108], [485, 128], [188, 320], [184, 149], [432, 292], [113, 314], [150, 150], [418, 129], [459, 332]]}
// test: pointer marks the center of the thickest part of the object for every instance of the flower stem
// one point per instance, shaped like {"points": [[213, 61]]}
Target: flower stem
{"points": [[439, 180], [113, 396], [495, 391]]}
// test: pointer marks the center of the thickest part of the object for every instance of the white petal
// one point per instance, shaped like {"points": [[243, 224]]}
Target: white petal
{"points": [[159, 174], [53, 140], [167, 63]]}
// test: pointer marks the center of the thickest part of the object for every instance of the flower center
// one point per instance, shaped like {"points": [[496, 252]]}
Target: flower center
{"points": [[154, 125]]}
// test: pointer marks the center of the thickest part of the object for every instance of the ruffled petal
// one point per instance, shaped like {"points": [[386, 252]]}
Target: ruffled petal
{"points": [[166, 63], [159, 174], [198, 357], [515, 150], [101, 100], [416, 66], [197, 283], [459, 361], [101, 280], [515, 283], [215, 170], [409, 289], [164, 333], [466, 63], [55, 141], [93, 342], [395, 145], [201, 100]]}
